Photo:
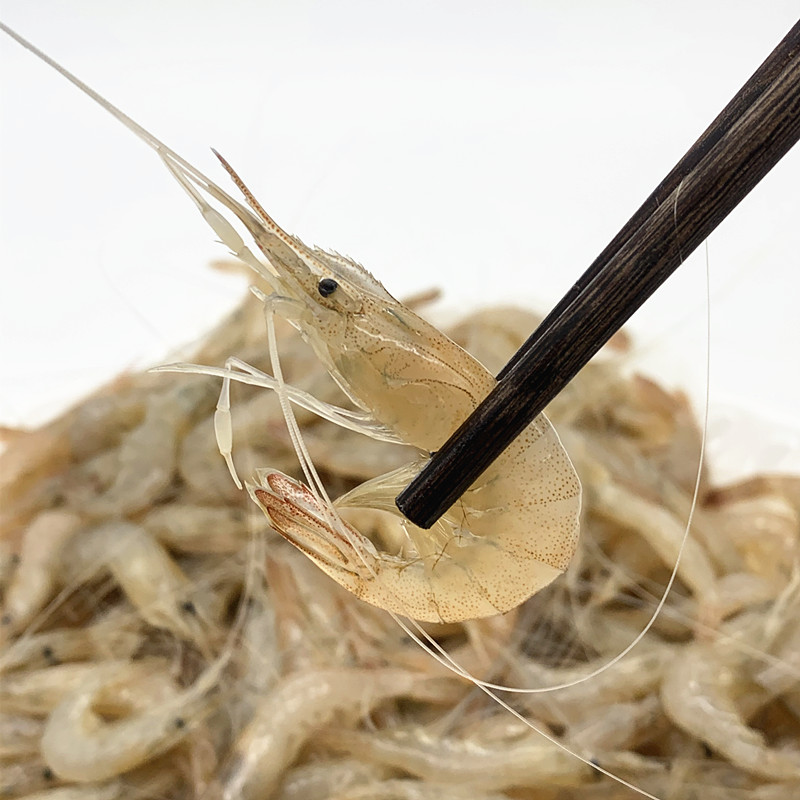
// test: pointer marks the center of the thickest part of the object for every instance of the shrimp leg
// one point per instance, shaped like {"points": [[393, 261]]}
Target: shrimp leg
{"points": [[241, 372]]}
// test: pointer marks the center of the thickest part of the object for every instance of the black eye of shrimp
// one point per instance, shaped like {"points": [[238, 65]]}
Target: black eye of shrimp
{"points": [[327, 286]]}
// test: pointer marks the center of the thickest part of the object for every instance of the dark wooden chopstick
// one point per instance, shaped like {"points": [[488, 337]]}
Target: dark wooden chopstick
{"points": [[754, 131], [763, 77]]}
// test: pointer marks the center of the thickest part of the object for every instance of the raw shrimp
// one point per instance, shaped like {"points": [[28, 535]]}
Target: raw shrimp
{"points": [[698, 694], [295, 709], [37, 573], [529, 762], [323, 779], [37, 692], [634, 677], [154, 583], [79, 745], [511, 533], [407, 789], [117, 635], [147, 456]]}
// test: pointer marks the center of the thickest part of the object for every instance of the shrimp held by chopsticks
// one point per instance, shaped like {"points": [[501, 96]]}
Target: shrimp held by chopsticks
{"points": [[511, 533]]}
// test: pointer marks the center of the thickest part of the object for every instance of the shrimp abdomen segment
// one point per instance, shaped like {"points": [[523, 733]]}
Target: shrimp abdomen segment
{"points": [[530, 498], [411, 376]]}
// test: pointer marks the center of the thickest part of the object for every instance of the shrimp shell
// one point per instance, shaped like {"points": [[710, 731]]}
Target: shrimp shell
{"points": [[698, 695], [291, 713], [79, 745], [36, 574], [530, 762]]}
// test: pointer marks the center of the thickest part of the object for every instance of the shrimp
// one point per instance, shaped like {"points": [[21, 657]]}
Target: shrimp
{"points": [[512, 533], [407, 789], [116, 635], [481, 559], [39, 691], [37, 572], [292, 712], [147, 457], [527, 762], [152, 580], [78, 744], [323, 779], [699, 696], [635, 677]]}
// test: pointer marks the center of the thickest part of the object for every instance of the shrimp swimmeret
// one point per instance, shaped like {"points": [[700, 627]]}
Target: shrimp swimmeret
{"points": [[511, 533]]}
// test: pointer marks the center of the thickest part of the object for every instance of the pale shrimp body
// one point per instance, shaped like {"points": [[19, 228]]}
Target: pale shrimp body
{"points": [[514, 530], [79, 744], [510, 534]]}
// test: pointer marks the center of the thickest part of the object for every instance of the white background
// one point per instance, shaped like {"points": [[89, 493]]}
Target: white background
{"points": [[489, 149]]}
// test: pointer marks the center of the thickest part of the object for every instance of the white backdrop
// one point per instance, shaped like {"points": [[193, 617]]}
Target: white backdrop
{"points": [[490, 149]]}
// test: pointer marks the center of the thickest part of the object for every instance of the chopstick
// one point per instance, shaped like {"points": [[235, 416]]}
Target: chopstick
{"points": [[752, 133]]}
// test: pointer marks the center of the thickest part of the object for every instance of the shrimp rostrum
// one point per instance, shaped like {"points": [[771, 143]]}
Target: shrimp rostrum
{"points": [[508, 536]]}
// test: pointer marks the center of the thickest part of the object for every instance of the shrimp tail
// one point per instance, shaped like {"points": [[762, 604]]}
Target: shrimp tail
{"points": [[297, 515]]}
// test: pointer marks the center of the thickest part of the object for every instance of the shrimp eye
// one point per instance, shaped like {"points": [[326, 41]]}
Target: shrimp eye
{"points": [[327, 286]]}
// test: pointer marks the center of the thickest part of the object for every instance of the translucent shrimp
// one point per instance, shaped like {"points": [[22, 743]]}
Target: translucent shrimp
{"points": [[116, 635], [147, 456], [154, 583], [39, 691], [529, 762], [699, 694], [634, 677], [79, 744], [38, 566], [511, 533], [292, 712], [323, 779]]}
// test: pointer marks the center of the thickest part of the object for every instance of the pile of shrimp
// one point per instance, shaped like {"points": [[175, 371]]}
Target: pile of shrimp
{"points": [[159, 640]]}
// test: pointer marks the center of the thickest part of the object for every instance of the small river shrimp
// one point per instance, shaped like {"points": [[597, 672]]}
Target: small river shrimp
{"points": [[512, 533], [116, 635], [43, 543], [327, 778], [528, 762], [79, 744], [149, 576], [295, 709], [699, 695]]}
